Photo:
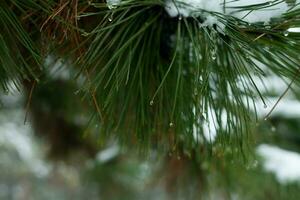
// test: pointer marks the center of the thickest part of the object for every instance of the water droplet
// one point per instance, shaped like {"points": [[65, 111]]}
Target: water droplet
{"points": [[286, 33], [200, 25], [84, 34], [110, 18], [266, 118], [273, 128], [151, 103], [252, 165], [248, 56], [268, 27], [180, 17], [111, 6], [196, 92], [255, 164], [213, 54], [76, 92], [171, 124]]}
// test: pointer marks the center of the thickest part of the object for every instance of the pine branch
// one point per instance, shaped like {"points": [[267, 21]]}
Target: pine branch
{"points": [[175, 82]]}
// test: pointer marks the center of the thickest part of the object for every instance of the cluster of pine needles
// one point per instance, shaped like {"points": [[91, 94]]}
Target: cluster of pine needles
{"points": [[153, 81]]}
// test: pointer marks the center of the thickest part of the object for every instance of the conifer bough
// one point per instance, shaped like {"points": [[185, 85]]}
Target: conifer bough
{"points": [[173, 74]]}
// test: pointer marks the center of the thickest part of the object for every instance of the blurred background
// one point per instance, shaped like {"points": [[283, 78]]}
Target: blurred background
{"points": [[50, 149]]}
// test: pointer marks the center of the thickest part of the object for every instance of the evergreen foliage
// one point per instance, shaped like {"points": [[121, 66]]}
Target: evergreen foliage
{"points": [[153, 80]]}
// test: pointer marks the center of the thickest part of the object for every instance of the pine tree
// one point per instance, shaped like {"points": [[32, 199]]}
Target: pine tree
{"points": [[180, 78]]}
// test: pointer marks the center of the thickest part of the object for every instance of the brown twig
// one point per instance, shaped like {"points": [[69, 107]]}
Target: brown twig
{"points": [[282, 95], [29, 101]]}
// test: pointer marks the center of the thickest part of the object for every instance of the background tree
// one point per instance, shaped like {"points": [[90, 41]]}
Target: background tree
{"points": [[177, 82]]}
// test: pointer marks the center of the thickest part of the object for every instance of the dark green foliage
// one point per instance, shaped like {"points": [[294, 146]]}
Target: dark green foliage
{"points": [[154, 81], [15, 42]]}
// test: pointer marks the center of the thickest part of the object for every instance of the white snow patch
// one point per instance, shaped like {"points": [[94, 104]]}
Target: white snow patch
{"points": [[265, 14], [58, 68], [287, 108], [210, 128], [210, 125], [284, 164], [13, 98], [268, 84], [189, 8], [16, 135], [194, 8], [111, 4], [264, 10], [294, 30], [108, 154]]}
